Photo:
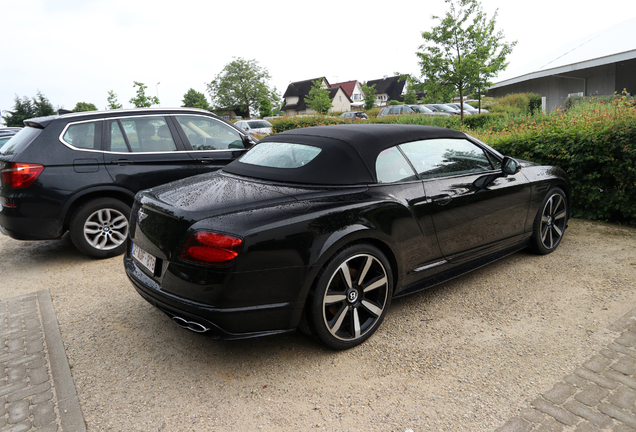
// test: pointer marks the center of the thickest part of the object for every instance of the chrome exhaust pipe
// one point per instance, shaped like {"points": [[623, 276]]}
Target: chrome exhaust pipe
{"points": [[190, 325]]}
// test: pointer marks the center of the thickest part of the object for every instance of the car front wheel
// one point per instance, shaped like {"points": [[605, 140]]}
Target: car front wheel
{"points": [[351, 297], [100, 227], [550, 222]]}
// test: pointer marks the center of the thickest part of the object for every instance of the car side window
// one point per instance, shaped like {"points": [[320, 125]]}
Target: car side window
{"points": [[81, 135], [446, 157], [209, 134], [392, 167], [141, 135]]}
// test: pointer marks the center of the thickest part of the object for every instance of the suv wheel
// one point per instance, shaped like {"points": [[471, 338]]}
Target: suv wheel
{"points": [[100, 227]]}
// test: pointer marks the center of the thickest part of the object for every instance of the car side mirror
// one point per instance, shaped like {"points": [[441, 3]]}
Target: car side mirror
{"points": [[248, 141], [510, 166]]}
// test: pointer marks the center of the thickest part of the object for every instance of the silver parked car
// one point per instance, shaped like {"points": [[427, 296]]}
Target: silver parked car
{"points": [[255, 127], [424, 110], [467, 108]]}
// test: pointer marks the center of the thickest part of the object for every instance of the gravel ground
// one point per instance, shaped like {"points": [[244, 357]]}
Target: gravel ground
{"points": [[463, 356]]}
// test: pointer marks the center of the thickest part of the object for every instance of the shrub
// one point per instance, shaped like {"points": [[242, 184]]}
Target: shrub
{"points": [[591, 102], [480, 121], [373, 112], [516, 104], [287, 123], [595, 147]]}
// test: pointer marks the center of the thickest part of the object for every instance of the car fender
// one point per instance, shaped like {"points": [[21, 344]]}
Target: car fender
{"points": [[84, 195], [352, 234]]}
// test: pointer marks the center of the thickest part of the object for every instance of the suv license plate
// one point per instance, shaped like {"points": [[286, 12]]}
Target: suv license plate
{"points": [[144, 258]]}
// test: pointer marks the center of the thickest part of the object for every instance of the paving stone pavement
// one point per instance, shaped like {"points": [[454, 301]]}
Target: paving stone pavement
{"points": [[598, 396], [37, 392]]}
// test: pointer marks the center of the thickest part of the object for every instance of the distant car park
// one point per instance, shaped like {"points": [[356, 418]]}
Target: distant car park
{"points": [[393, 110]]}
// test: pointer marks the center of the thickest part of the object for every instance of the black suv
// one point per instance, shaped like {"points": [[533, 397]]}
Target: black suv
{"points": [[79, 172]]}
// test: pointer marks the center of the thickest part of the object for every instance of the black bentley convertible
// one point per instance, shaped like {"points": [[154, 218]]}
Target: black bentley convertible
{"points": [[319, 228]]}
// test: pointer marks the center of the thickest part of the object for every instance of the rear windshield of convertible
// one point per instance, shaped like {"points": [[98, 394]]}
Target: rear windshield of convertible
{"points": [[280, 155]]}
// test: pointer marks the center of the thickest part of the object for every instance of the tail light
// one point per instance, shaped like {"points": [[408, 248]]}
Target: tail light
{"points": [[211, 248], [21, 175]]}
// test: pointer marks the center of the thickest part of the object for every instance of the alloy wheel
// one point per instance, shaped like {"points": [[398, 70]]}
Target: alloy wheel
{"points": [[553, 219], [356, 297], [106, 229]]}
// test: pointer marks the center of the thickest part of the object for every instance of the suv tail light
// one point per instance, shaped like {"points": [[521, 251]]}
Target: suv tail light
{"points": [[211, 248], [21, 175]]}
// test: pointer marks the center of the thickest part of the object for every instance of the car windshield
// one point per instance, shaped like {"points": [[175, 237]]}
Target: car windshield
{"points": [[259, 124], [421, 109], [280, 155], [444, 108]]}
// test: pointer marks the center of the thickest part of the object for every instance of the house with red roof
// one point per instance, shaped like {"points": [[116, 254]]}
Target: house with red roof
{"points": [[297, 92], [353, 89]]}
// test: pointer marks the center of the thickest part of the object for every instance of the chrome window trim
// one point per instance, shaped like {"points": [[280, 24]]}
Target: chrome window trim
{"points": [[71, 146], [104, 119]]}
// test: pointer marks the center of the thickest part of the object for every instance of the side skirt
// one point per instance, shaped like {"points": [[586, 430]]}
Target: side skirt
{"points": [[459, 270]]}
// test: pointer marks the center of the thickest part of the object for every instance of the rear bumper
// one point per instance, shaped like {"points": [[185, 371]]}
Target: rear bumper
{"points": [[221, 323], [21, 228]]}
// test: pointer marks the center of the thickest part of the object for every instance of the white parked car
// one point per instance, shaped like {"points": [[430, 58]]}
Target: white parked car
{"points": [[255, 127]]}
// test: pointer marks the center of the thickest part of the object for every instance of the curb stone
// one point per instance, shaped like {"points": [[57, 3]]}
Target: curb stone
{"points": [[36, 387]]}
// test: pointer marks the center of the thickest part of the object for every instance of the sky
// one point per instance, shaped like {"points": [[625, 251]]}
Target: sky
{"points": [[78, 50]]}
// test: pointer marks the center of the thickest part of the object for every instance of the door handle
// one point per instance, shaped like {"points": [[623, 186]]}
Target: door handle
{"points": [[441, 199], [122, 162]]}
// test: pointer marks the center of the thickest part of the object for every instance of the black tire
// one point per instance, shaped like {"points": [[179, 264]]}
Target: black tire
{"points": [[350, 298], [99, 228], [550, 222]]}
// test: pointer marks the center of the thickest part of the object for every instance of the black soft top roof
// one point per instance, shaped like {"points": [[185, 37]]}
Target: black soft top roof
{"points": [[348, 152]]}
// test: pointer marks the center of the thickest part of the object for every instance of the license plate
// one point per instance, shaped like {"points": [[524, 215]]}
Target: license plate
{"points": [[144, 258]]}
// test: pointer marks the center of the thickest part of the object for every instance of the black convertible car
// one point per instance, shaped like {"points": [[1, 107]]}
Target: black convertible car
{"points": [[319, 228]]}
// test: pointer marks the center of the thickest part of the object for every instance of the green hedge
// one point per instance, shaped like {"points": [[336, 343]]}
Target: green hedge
{"points": [[288, 123], [596, 148]]}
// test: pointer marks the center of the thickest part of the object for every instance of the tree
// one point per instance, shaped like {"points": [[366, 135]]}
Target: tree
{"points": [[112, 101], [318, 98], [42, 106], [242, 83], [265, 108], [25, 108], [84, 106], [370, 94], [22, 110], [141, 100], [195, 99], [463, 50]]}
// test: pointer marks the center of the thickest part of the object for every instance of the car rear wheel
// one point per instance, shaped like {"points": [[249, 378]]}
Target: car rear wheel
{"points": [[351, 297], [100, 227], [550, 223]]}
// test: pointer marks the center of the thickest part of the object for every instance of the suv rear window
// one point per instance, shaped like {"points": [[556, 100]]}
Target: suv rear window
{"points": [[81, 135], [20, 140]]}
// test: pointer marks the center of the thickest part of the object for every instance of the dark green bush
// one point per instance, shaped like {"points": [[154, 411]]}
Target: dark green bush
{"points": [[480, 121], [287, 123], [596, 149]]}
